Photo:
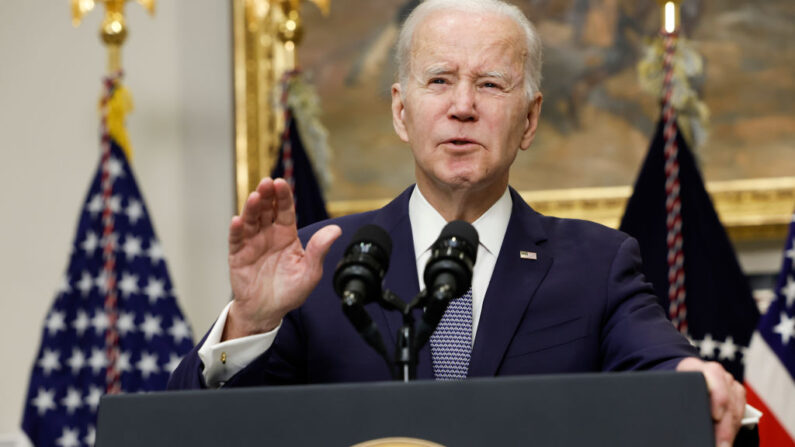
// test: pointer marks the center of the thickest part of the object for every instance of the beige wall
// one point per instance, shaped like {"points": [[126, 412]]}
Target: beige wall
{"points": [[179, 71]]}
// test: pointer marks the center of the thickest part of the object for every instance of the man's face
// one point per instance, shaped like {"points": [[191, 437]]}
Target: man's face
{"points": [[464, 110]]}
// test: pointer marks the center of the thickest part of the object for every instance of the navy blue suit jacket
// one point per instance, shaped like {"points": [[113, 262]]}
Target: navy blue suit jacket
{"points": [[581, 306]]}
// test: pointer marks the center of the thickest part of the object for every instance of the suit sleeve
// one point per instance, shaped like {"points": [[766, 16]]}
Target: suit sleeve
{"points": [[636, 333]]}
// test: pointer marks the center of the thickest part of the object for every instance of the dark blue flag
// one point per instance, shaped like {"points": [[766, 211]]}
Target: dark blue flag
{"points": [[294, 165], [721, 312], [71, 370]]}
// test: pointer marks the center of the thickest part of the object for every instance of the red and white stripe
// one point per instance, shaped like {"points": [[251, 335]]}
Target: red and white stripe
{"points": [[677, 310], [112, 374], [771, 389]]}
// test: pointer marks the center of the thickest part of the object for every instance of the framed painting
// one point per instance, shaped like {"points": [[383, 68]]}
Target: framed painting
{"points": [[597, 121]]}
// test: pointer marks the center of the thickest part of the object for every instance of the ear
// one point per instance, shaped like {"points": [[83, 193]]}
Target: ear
{"points": [[399, 113], [533, 111]]}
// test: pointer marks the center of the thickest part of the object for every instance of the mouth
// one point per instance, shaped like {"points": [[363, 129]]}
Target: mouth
{"points": [[460, 141]]}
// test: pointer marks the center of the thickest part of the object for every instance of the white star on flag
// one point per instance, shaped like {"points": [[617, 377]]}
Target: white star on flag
{"points": [[69, 438], [90, 243], [128, 284], [173, 362], [95, 205], [81, 322], [151, 326], [91, 436], [85, 283], [123, 362], [789, 291], [791, 253], [55, 322], [64, 287], [115, 204], [72, 401], [148, 364], [785, 328], [179, 330], [154, 289], [126, 323], [115, 168], [98, 360], [132, 247], [728, 349], [49, 361], [155, 251], [707, 347], [100, 322], [44, 401], [101, 282], [134, 211], [92, 398], [76, 361]]}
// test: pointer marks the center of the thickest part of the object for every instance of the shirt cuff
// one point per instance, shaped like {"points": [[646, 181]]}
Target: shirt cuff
{"points": [[222, 360]]}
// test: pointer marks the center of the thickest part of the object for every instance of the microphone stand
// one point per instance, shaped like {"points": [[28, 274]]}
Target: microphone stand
{"points": [[405, 351]]}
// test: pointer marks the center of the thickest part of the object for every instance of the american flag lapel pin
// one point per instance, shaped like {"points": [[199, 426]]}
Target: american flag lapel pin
{"points": [[528, 255]]}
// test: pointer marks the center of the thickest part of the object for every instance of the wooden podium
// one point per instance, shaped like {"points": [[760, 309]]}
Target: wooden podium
{"points": [[618, 409]]}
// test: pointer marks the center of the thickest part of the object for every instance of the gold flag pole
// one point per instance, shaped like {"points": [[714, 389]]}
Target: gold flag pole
{"points": [[267, 33], [114, 105]]}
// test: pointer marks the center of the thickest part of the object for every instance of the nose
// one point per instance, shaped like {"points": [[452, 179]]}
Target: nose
{"points": [[462, 104]]}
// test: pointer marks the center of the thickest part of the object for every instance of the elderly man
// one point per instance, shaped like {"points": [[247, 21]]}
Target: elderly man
{"points": [[548, 295]]}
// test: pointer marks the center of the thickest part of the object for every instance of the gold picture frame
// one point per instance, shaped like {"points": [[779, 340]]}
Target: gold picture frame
{"points": [[750, 209]]}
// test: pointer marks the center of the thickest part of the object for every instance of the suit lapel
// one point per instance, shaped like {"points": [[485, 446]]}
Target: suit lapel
{"points": [[511, 288]]}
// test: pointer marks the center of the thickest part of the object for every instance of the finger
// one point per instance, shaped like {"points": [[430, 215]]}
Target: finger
{"points": [[235, 235], [724, 432], [250, 215], [266, 190], [285, 210], [718, 390], [319, 245]]}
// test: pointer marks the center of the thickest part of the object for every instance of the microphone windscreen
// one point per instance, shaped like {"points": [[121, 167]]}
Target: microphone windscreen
{"points": [[462, 230], [375, 235]]}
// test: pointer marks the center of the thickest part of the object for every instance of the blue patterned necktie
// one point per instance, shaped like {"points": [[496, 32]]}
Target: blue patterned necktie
{"points": [[451, 342]]}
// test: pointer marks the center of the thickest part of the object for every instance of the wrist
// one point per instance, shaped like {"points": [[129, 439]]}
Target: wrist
{"points": [[242, 323]]}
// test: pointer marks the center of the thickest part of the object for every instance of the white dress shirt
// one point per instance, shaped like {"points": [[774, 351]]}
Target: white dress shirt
{"points": [[222, 360]]}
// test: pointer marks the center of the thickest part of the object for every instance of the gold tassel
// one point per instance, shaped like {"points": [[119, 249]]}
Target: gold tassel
{"points": [[119, 105]]}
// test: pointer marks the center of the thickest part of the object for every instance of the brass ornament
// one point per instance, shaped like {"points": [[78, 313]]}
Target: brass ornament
{"points": [[113, 30]]}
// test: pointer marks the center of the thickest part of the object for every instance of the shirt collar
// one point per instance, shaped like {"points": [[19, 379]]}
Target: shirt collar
{"points": [[427, 223]]}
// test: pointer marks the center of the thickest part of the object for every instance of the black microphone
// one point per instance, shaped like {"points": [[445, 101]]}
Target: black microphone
{"points": [[358, 278], [448, 274]]}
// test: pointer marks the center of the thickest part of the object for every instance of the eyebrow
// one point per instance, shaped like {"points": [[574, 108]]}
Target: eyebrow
{"points": [[438, 70], [495, 74]]}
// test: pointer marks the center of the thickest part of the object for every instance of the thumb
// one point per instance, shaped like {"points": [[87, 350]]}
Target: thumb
{"points": [[319, 244]]}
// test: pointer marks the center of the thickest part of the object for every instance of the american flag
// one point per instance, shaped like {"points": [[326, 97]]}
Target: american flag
{"points": [[115, 302], [770, 368]]}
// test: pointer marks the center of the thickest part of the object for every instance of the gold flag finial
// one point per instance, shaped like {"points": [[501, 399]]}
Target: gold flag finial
{"points": [[113, 30]]}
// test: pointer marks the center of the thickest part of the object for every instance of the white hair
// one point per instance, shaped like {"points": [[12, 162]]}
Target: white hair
{"points": [[532, 60]]}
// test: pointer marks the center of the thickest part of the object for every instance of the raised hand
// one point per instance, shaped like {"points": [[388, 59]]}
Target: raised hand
{"points": [[269, 270]]}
